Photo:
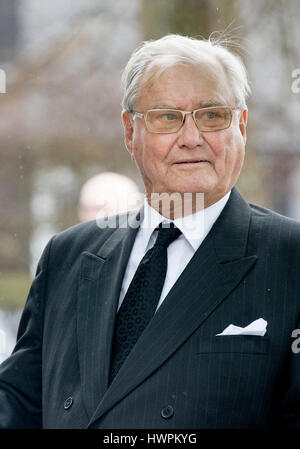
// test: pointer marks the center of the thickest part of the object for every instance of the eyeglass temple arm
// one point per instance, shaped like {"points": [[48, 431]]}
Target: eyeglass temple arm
{"points": [[137, 114]]}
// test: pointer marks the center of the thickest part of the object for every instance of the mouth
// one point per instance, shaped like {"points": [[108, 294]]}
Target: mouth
{"points": [[193, 162]]}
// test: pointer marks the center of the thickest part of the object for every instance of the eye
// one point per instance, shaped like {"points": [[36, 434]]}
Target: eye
{"points": [[211, 115], [169, 117]]}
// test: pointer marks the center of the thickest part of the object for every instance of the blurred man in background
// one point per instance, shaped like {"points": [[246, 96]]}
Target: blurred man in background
{"points": [[108, 194]]}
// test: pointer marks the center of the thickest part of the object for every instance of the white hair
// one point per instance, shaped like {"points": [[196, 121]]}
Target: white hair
{"points": [[175, 49]]}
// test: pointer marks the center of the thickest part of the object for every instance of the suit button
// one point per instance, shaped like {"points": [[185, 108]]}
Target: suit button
{"points": [[167, 412], [68, 403]]}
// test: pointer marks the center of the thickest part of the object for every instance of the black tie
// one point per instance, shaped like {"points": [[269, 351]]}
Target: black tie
{"points": [[141, 299]]}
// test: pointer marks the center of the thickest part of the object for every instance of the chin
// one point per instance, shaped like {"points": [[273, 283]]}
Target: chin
{"points": [[193, 188]]}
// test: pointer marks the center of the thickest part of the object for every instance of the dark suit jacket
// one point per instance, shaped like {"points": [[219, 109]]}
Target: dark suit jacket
{"points": [[179, 374]]}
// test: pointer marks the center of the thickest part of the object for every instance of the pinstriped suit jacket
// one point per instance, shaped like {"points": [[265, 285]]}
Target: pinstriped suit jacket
{"points": [[246, 268]]}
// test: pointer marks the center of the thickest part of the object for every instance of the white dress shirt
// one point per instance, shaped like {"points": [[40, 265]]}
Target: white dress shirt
{"points": [[194, 228]]}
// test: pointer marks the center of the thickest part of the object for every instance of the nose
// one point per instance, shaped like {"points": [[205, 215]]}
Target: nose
{"points": [[189, 135]]}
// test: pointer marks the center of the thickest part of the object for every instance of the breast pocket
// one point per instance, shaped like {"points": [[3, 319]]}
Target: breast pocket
{"points": [[243, 344]]}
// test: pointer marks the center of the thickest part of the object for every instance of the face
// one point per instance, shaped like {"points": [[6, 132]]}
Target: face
{"points": [[188, 161]]}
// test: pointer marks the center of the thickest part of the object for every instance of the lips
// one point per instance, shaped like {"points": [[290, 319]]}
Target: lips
{"points": [[196, 161]]}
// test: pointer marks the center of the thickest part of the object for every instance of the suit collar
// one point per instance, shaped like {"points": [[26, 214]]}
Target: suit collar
{"points": [[234, 215], [230, 231]]}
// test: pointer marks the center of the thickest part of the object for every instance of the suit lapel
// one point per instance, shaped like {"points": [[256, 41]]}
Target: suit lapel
{"points": [[216, 268], [98, 295]]}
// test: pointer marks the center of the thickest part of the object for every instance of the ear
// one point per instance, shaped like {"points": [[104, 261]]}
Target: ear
{"points": [[128, 130], [243, 123]]}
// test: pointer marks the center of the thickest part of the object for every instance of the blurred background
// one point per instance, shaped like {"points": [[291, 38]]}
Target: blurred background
{"points": [[61, 126]]}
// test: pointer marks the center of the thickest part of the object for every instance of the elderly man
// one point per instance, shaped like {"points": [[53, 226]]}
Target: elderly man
{"points": [[170, 317]]}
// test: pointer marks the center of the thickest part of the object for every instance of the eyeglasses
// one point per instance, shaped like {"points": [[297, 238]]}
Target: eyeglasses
{"points": [[210, 119]]}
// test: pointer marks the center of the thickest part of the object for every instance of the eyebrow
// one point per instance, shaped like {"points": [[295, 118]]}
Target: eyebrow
{"points": [[163, 106], [215, 102], [202, 104]]}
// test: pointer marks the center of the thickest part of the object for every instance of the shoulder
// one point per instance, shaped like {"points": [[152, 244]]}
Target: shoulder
{"points": [[277, 229], [273, 218]]}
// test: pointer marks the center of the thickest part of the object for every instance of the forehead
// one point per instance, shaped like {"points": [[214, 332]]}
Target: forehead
{"points": [[185, 85]]}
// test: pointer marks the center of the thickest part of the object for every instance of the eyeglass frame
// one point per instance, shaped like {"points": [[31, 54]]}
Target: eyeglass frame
{"points": [[184, 113]]}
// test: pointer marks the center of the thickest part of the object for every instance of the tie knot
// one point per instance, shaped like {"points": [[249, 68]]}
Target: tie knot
{"points": [[167, 235]]}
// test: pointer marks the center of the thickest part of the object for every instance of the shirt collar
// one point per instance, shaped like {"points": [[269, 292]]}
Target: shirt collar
{"points": [[194, 227]]}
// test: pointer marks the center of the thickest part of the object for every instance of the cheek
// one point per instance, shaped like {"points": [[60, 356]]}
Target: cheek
{"points": [[219, 145], [228, 150], [156, 148]]}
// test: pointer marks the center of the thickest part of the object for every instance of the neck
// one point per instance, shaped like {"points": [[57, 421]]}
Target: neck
{"points": [[176, 205]]}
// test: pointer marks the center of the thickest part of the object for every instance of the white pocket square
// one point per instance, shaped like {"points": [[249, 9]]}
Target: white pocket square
{"points": [[257, 327]]}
